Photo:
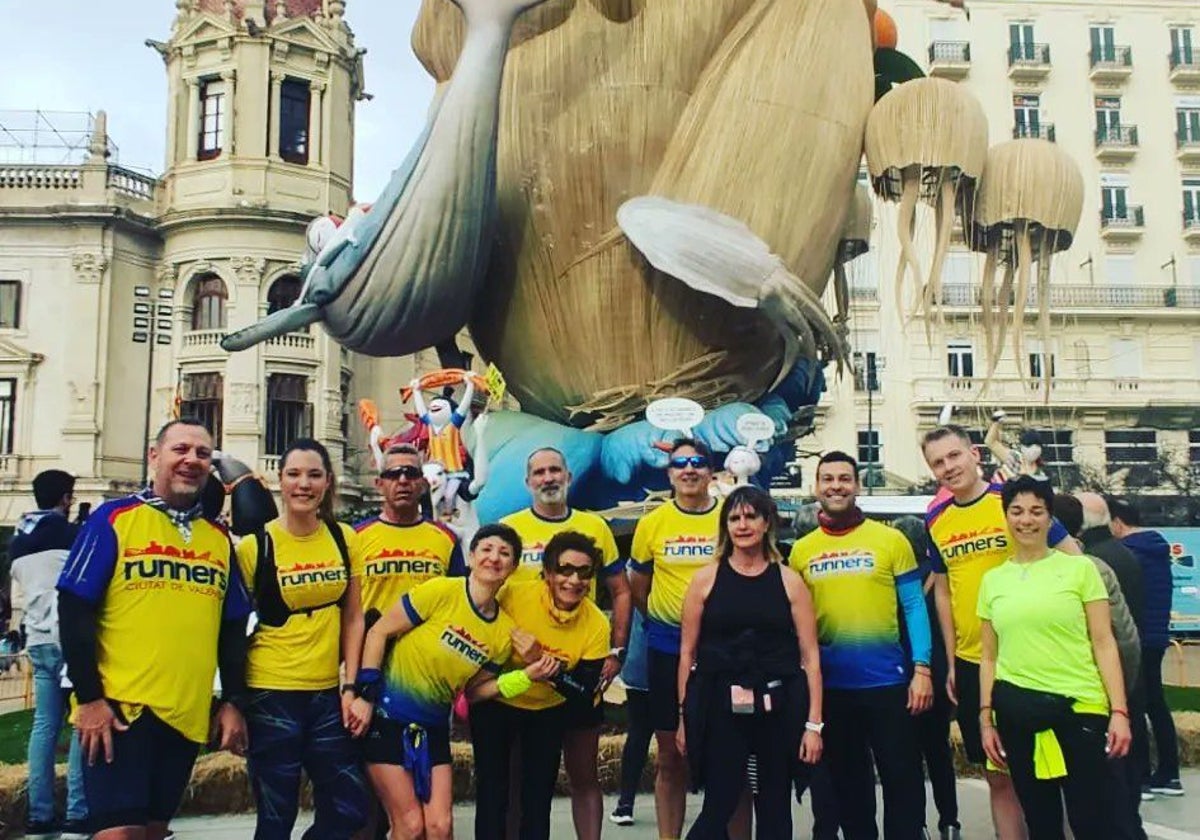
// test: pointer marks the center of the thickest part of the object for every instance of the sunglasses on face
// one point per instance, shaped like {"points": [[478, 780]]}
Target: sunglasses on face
{"points": [[581, 572], [698, 462], [411, 473]]}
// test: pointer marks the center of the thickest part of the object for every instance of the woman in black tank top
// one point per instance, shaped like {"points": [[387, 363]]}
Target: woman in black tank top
{"points": [[749, 674]]}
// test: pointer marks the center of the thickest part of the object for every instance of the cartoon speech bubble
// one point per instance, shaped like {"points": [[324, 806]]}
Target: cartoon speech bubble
{"points": [[675, 414], [754, 427]]}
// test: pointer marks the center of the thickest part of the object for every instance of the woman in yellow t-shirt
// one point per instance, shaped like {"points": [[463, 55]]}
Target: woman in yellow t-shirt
{"points": [[1052, 696], [303, 570], [556, 618]]}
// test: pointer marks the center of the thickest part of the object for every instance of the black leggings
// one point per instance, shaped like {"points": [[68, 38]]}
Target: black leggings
{"points": [[1087, 787], [933, 737], [495, 728], [729, 741], [637, 743], [1161, 723]]}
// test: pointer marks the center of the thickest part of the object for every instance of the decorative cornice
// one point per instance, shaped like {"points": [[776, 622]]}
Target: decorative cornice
{"points": [[249, 269], [89, 266]]}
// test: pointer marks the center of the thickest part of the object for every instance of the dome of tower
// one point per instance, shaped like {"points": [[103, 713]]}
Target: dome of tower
{"points": [[295, 8]]}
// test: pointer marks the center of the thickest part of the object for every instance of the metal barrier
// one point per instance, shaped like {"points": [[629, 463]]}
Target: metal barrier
{"points": [[16, 682]]}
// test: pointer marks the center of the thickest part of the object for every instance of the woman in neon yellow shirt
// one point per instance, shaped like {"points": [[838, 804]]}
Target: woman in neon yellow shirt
{"points": [[1052, 694], [303, 570]]}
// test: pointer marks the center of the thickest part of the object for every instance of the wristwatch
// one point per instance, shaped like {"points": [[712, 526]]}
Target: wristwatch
{"points": [[351, 687], [814, 727], [620, 653]]}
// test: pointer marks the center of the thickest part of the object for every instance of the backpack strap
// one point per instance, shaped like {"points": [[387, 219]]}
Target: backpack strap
{"points": [[268, 598], [335, 531]]}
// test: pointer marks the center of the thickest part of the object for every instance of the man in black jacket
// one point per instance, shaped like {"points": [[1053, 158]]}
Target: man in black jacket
{"points": [[1098, 541]]}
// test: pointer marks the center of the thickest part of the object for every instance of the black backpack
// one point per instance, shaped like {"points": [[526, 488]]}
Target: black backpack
{"points": [[272, 610]]}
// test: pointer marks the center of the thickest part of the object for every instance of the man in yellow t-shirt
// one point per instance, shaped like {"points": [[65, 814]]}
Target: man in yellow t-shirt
{"points": [[968, 537], [549, 482], [669, 545], [150, 604], [400, 548]]}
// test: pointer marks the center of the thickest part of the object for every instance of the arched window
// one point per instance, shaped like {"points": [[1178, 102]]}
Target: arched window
{"points": [[208, 303], [283, 293]]}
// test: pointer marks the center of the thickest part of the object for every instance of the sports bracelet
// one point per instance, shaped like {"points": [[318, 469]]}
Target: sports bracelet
{"points": [[1122, 712]]}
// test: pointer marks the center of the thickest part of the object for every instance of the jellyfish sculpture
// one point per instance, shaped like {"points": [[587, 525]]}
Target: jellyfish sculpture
{"points": [[855, 241], [926, 140], [1026, 209]]}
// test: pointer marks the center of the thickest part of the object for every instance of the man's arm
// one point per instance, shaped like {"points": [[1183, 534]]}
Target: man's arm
{"points": [[639, 587]]}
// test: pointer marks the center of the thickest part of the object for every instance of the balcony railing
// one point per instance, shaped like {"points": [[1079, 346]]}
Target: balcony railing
{"points": [[1111, 57], [967, 295], [203, 339], [130, 183], [1077, 390], [946, 54], [1029, 55], [1188, 141], [124, 182], [1117, 135], [269, 466], [300, 342], [1191, 222], [1185, 63], [1041, 131], [1132, 216]]}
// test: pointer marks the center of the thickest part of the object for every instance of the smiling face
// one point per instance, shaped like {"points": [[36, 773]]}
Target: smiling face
{"points": [[954, 462], [440, 411], [493, 560], [1028, 521], [401, 483], [570, 579], [547, 478], [836, 487], [303, 482], [180, 464], [689, 472]]}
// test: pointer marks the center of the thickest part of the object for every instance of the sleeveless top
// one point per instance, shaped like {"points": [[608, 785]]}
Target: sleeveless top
{"points": [[746, 631]]}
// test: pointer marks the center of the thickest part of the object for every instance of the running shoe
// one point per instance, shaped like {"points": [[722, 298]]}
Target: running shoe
{"points": [[1170, 787], [621, 816], [1147, 794]]}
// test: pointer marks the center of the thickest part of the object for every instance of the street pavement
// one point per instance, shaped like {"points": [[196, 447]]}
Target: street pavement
{"points": [[1165, 818]]}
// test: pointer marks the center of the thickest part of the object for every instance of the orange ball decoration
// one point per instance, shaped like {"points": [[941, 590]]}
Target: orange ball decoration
{"points": [[886, 36]]}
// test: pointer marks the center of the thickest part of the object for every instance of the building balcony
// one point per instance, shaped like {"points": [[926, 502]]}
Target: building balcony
{"points": [[1041, 131], [1185, 67], [1028, 62], [1107, 301], [294, 346], [950, 59], [1187, 144], [1116, 143], [1124, 225], [201, 345], [268, 467], [1191, 228], [1111, 64], [1094, 392], [10, 465]]}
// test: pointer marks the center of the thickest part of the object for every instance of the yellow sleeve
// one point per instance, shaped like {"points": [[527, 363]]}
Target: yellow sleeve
{"points": [[354, 545], [597, 645], [608, 544], [905, 561], [247, 560], [796, 560], [641, 554], [424, 599]]}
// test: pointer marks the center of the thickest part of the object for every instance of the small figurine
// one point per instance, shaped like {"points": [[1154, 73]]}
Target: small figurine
{"points": [[1026, 460]]}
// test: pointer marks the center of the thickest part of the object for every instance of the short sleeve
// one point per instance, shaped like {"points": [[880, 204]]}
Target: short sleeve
{"points": [[247, 560], [457, 566], [641, 555], [796, 559], [92, 558], [1057, 534], [1091, 585], [423, 601], [984, 606], [904, 564], [600, 632], [608, 550], [354, 545]]}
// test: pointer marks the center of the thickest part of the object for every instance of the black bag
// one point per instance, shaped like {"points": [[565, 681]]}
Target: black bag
{"points": [[272, 610]]}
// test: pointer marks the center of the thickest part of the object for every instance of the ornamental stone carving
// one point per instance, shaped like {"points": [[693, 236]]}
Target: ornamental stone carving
{"points": [[243, 402], [83, 399], [89, 266], [249, 269]]}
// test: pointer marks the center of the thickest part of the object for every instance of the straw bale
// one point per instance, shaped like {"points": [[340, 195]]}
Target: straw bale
{"points": [[751, 107], [1033, 181]]}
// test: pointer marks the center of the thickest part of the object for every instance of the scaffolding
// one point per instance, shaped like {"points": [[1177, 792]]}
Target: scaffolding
{"points": [[53, 138]]}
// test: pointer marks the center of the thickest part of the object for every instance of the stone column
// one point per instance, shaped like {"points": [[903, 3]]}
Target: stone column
{"points": [[273, 115], [244, 392], [316, 130], [193, 118], [229, 77]]}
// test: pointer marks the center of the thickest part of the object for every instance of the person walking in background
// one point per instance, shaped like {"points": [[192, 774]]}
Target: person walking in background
{"points": [[1154, 556], [638, 730], [1052, 695], [857, 570], [1069, 511], [39, 548], [748, 627], [305, 573]]}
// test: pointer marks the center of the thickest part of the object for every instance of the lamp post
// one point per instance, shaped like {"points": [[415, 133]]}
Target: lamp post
{"points": [[151, 326]]}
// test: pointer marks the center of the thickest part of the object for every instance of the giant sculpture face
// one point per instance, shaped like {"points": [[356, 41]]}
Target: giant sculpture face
{"points": [[753, 109]]}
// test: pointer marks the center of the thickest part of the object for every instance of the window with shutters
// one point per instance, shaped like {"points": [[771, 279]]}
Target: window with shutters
{"points": [[208, 303], [1132, 449], [960, 359], [295, 101], [1191, 200], [213, 111], [10, 304], [289, 413], [203, 399], [8, 415]]}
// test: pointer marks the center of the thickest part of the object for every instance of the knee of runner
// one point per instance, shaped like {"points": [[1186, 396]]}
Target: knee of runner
{"points": [[412, 821], [439, 826]]}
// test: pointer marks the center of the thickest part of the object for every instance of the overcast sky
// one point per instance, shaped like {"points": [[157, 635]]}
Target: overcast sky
{"points": [[87, 56]]}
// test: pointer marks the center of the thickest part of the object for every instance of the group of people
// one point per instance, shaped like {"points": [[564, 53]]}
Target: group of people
{"points": [[758, 676]]}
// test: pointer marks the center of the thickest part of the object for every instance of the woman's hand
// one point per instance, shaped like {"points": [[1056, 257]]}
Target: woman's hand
{"points": [[681, 738], [993, 747], [543, 668], [526, 646], [1119, 736], [356, 715], [811, 747]]}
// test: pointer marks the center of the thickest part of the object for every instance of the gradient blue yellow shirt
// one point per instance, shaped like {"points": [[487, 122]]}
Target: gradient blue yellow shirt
{"points": [[671, 544], [966, 541], [450, 642], [160, 601], [535, 531], [854, 576], [398, 557]]}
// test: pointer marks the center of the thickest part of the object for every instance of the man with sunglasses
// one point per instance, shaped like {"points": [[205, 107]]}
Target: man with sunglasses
{"points": [[549, 481], [670, 544], [401, 547]]}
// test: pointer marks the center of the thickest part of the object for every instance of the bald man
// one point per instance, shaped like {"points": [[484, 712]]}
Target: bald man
{"points": [[1098, 541]]}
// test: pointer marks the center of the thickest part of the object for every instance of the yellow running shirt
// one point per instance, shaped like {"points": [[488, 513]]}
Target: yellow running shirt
{"points": [[160, 601], [965, 543], [398, 557], [450, 642], [568, 637], [671, 544], [535, 531], [305, 652]]}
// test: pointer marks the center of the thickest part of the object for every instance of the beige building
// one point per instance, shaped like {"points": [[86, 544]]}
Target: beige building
{"points": [[1117, 85], [116, 287]]}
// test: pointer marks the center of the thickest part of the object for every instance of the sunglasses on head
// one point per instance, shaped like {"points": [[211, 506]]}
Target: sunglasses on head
{"points": [[698, 462], [409, 472], [581, 572]]}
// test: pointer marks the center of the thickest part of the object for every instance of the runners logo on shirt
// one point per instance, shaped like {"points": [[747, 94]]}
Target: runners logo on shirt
{"points": [[960, 546], [156, 566], [464, 644], [403, 561], [531, 555], [310, 574], [689, 548], [841, 562]]}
